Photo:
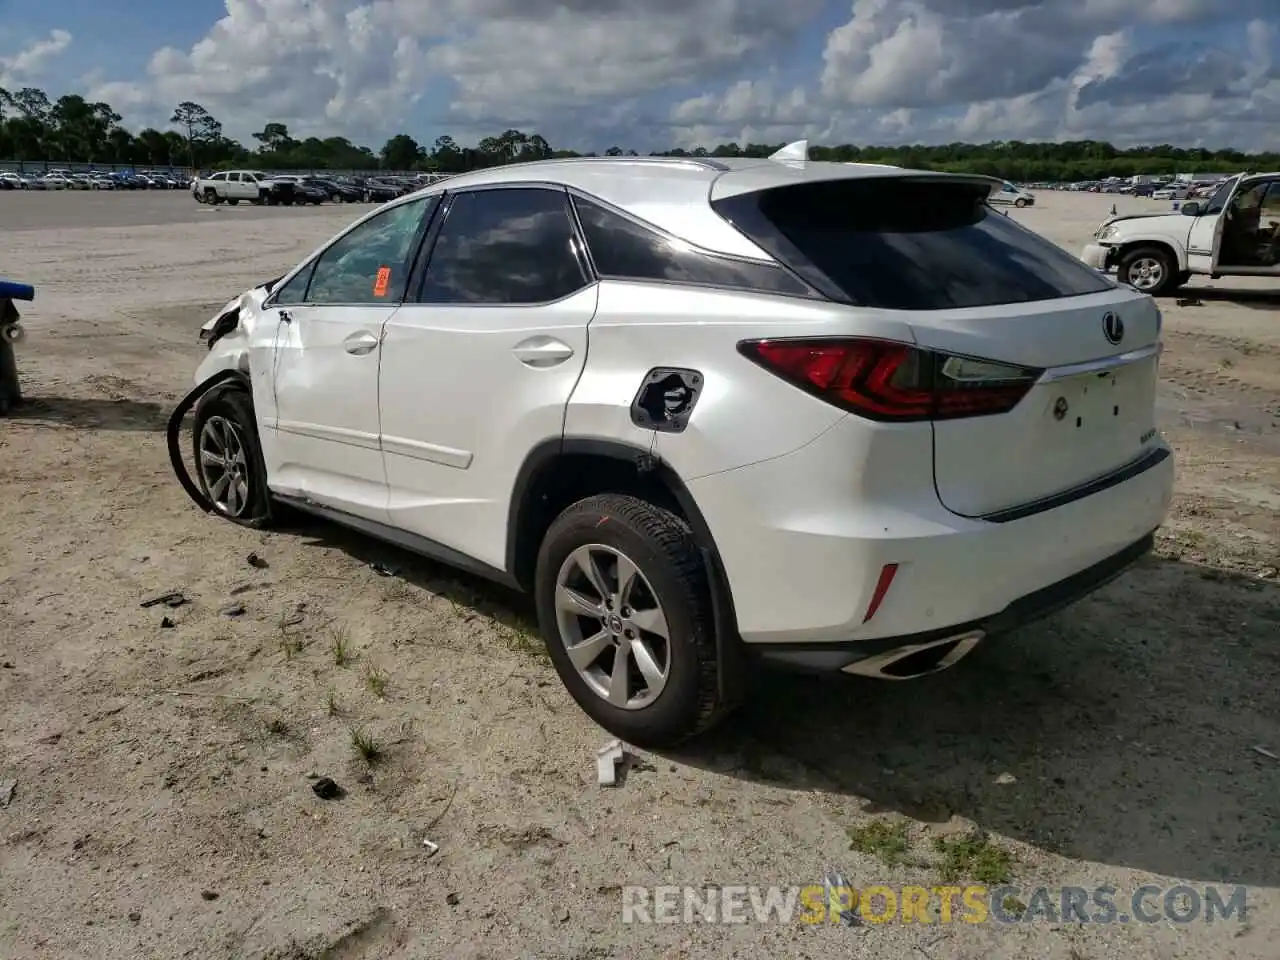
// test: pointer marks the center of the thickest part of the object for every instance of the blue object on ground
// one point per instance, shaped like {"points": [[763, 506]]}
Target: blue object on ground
{"points": [[12, 290]]}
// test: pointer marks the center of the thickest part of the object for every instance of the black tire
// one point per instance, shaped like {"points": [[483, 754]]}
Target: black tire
{"points": [[1020, 202], [662, 547], [232, 407], [1131, 259]]}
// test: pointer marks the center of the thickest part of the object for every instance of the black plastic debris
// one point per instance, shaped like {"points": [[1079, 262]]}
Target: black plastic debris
{"points": [[326, 789], [171, 600]]}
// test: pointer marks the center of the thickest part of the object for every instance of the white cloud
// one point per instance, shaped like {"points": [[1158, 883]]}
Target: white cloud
{"points": [[597, 72], [28, 63]]}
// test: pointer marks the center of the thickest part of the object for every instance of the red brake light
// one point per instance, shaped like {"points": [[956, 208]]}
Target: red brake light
{"points": [[891, 381]]}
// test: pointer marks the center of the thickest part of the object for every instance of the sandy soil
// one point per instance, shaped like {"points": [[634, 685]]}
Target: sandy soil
{"points": [[163, 805]]}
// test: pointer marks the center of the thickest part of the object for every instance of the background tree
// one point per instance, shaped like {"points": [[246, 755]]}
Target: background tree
{"points": [[72, 128], [402, 152], [199, 124]]}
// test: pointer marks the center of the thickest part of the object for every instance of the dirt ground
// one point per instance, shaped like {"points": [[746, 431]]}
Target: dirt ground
{"points": [[164, 805]]}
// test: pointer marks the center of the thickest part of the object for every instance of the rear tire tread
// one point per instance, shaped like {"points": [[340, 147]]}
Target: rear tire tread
{"points": [[672, 539]]}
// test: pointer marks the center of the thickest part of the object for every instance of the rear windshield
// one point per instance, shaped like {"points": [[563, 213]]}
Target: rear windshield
{"points": [[901, 244]]}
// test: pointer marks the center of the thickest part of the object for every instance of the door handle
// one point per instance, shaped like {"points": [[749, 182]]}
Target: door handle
{"points": [[361, 343], [542, 351]]}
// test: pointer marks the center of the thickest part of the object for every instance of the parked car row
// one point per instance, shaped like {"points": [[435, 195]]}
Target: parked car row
{"points": [[114, 180], [287, 189]]}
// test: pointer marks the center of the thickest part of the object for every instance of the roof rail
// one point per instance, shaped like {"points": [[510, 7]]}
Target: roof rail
{"points": [[706, 163]]}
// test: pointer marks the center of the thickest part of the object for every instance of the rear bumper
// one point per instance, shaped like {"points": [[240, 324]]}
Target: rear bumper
{"points": [[804, 540], [869, 656]]}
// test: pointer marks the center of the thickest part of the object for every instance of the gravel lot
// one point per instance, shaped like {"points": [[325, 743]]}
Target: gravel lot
{"points": [[163, 805]]}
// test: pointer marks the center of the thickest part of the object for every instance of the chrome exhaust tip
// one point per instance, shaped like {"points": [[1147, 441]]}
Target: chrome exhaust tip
{"points": [[930, 657]]}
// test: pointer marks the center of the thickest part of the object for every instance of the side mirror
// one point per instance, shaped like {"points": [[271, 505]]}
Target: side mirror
{"points": [[1190, 209]]}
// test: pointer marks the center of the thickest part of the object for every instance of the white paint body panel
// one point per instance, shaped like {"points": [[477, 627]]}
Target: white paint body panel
{"points": [[804, 502], [460, 411]]}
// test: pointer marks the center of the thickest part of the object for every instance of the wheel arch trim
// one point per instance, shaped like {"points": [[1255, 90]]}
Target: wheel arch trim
{"points": [[543, 457]]}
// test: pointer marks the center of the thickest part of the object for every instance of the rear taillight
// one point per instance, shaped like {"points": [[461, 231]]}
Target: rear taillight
{"points": [[891, 381]]}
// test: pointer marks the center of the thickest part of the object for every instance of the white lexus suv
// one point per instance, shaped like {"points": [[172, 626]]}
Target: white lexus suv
{"points": [[706, 411]]}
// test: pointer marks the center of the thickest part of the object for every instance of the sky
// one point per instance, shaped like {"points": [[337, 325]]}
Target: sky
{"points": [[653, 74]]}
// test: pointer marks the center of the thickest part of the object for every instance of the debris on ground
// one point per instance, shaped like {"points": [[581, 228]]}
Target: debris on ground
{"points": [[1190, 302], [166, 622], [326, 789], [172, 599], [208, 895], [233, 610], [256, 562], [1264, 752], [135, 916], [6, 791], [432, 848], [7, 665], [382, 570], [609, 760], [839, 891], [453, 899], [1006, 778]]}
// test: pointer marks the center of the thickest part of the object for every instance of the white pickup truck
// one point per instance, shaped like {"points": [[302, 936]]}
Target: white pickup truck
{"points": [[1234, 232], [232, 186]]}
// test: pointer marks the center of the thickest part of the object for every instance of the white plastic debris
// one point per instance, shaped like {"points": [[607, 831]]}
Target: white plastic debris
{"points": [[1264, 752], [608, 759], [1006, 778], [432, 848]]}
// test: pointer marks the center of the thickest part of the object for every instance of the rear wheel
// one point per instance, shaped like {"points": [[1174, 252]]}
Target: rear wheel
{"points": [[1020, 202], [625, 608], [1151, 270], [229, 464]]}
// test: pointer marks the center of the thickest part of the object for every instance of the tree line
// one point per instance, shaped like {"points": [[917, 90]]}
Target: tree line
{"points": [[72, 129]]}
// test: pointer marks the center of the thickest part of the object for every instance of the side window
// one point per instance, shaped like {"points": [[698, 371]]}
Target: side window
{"points": [[1219, 199], [370, 264], [295, 289], [1271, 203], [511, 246], [219, 176], [625, 250]]}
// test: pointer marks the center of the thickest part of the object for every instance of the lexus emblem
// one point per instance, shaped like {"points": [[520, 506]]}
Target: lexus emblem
{"points": [[1112, 327]]}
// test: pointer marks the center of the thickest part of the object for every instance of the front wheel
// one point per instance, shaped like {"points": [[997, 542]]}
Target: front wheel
{"points": [[625, 607], [228, 459], [1151, 270], [1020, 202]]}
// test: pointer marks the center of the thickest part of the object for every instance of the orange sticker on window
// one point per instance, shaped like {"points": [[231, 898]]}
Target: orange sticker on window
{"points": [[382, 281]]}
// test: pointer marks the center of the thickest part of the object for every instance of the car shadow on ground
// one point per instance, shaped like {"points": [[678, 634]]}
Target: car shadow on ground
{"points": [[1246, 297], [92, 413], [1128, 722], [474, 592]]}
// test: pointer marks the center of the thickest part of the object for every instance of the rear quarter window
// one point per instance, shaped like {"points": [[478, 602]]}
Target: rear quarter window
{"points": [[902, 244]]}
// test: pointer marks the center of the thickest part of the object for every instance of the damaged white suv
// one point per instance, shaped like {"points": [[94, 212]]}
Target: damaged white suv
{"points": [[707, 411]]}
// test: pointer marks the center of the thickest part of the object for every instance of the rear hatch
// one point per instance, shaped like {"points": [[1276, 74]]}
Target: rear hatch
{"points": [[1049, 368]]}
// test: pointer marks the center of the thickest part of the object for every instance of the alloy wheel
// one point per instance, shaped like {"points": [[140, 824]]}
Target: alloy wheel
{"points": [[613, 627], [224, 466]]}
